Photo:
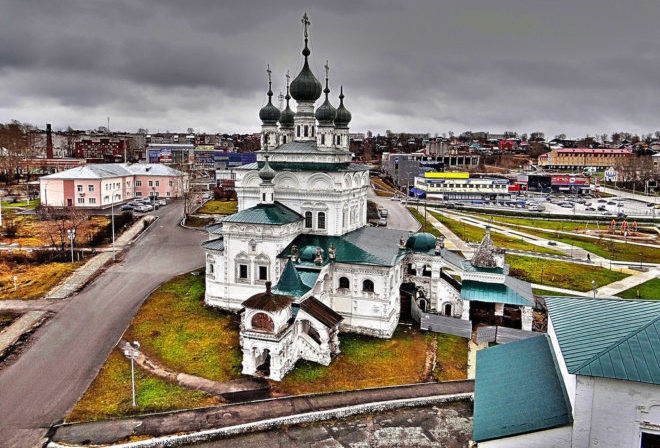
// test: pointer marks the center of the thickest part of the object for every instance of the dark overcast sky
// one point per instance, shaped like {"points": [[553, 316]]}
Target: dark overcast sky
{"points": [[572, 66]]}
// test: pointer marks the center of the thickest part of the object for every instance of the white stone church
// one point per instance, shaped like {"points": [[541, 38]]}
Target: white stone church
{"points": [[299, 261]]}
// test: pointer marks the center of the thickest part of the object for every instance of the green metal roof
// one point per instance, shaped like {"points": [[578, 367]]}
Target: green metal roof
{"points": [[295, 283], [274, 214], [610, 338], [518, 389], [216, 244], [367, 245], [492, 293]]}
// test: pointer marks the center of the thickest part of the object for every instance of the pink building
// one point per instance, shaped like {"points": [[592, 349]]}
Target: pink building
{"points": [[100, 185]]}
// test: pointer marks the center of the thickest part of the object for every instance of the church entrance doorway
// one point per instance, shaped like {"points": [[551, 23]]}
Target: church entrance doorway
{"points": [[264, 367], [407, 293]]}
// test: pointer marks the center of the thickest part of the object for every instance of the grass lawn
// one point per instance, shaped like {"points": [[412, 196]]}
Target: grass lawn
{"points": [[177, 329], [383, 188], [219, 207], [196, 221], [366, 362], [601, 247], [544, 223], [33, 280], [560, 274], [110, 394], [545, 292], [647, 291], [469, 232]]}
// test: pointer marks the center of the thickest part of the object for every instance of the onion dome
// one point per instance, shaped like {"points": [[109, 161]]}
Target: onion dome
{"points": [[269, 114], [287, 116], [266, 173], [325, 114], [306, 87], [343, 116], [421, 242]]}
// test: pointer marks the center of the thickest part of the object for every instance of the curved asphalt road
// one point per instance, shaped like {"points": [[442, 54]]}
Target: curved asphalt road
{"points": [[41, 387]]}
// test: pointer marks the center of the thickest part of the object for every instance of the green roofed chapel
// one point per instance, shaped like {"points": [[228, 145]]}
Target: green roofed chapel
{"points": [[301, 227]]}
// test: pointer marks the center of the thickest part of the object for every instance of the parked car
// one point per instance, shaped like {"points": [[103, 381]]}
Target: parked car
{"points": [[621, 215], [162, 202], [611, 203], [383, 212], [382, 222], [590, 209], [566, 205], [144, 208], [602, 201], [602, 208], [127, 207]]}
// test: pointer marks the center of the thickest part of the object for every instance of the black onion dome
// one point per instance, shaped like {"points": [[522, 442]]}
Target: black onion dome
{"points": [[266, 173], [325, 114], [343, 116], [287, 116], [306, 87], [269, 114]]}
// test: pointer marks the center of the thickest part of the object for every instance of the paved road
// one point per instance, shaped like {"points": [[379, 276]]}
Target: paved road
{"points": [[41, 387], [398, 216]]}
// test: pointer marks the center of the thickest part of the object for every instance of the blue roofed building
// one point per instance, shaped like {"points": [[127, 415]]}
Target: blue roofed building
{"points": [[604, 363]]}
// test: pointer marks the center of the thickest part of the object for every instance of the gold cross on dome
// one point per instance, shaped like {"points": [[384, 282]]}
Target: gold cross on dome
{"points": [[327, 68], [268, 71]]}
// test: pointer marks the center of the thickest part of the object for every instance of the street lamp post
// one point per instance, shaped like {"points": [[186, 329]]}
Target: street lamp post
{"points": [[132, 353], [593, 284], [71, 233], [112, 212]]}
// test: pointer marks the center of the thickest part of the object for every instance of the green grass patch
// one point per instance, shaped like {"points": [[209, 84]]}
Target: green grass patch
{"points": [[110, 394], [196, 221], [176, 328], [646, 291], [546, 292], [219, 207], [469, 232], [6, 319], [33, 204], [364, 362], [560, 274], [451, 357], [605, 248]]}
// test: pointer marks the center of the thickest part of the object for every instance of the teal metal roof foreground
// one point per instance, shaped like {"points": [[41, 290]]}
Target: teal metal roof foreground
{"points": [[609, 338], [492, 293], [216, 244], [518, 389], [295, 283], [274, 214], [367, 245]]}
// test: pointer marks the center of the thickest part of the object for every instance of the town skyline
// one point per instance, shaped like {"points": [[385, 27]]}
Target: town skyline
{"points": [[556, 68]]}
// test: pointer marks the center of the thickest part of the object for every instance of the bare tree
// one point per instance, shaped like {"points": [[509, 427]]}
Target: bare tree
{"points": [[58, 220]]}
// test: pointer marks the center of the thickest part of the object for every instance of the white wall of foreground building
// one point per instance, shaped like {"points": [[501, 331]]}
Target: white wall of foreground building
{"points": [[613, 413], [550, 438]]}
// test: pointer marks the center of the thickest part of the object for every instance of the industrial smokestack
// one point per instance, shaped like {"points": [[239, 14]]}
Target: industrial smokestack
{"points": [[49, 141]]}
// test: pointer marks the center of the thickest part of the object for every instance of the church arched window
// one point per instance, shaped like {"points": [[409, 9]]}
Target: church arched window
{"points": [[298, 131], [323, 139], [308, 220], [368, 286], [344, 283], [321, 220], [262, 322], [306, 131]]}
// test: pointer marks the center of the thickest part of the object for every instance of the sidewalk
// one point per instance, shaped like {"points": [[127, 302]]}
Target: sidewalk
{"points": [[91, 268]]}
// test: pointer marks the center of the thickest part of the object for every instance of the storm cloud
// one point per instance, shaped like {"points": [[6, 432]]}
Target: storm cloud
{"points": [[586, 67]]}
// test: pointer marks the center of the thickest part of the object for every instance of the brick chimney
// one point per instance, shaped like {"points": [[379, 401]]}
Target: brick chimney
{"points": [[49, 141]]}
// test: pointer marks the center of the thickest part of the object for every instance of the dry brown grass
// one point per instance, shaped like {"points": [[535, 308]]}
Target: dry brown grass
{"points": [[33, 232], [33, 280]]}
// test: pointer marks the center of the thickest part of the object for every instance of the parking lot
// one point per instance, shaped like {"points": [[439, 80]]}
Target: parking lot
{"points": [[614, 207]]}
